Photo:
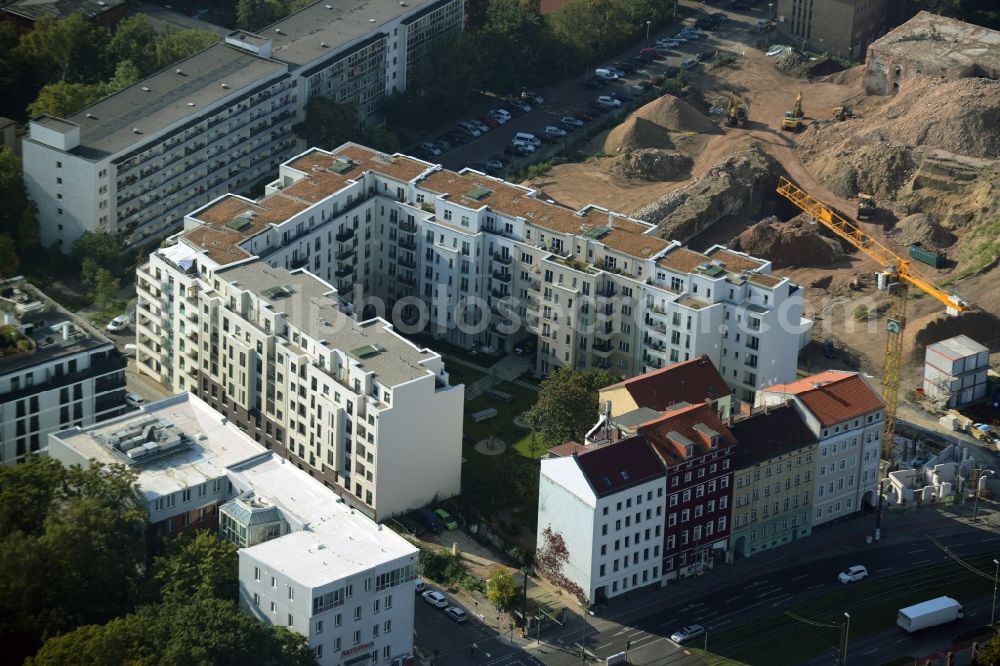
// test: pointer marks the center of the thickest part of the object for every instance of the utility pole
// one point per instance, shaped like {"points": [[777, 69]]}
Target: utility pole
{"points": [[996, 572], [524, 599], [844, 635], [583, 641]]}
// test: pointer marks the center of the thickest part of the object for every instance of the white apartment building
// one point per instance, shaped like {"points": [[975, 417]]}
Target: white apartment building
{"points": [[320, 568], [352, 402], [181, 450], [55, 372], [846, 416], [478, 261], [221, 120], [607, 504]]}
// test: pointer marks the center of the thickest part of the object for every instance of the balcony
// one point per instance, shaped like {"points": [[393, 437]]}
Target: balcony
{"points": [[345, 254], [654, 344], [657, 326], [504, 259], [408, 227], [502, 276], [607, 291], [499, 293], [406, 262], [535, 286], [192, 336], [407, 244], [344, 271], [407, 280], [345, 235], [602, 348]]}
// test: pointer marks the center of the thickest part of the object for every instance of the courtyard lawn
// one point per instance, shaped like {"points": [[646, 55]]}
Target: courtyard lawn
{"points": [[502, 425], [461, 374]]}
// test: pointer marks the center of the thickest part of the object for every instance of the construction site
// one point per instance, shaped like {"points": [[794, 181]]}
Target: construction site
{"points": [[900, 153]]}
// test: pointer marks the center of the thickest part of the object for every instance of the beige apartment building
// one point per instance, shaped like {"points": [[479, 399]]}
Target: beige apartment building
{"points": [[840, 27]]}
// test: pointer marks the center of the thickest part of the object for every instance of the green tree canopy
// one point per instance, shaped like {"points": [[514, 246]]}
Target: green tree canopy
{"points": [[199, 566], [328, 123], [567, 407], [134, 39], [17, 214], [9, 261], [174, 45], [200, 632], [62, 99], [501, 589], [66, 49], [126, 73], [99, 249], [256, 14]]}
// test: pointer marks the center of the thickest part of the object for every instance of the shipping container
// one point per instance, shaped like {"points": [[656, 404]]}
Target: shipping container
{"points": [[926, 256]]}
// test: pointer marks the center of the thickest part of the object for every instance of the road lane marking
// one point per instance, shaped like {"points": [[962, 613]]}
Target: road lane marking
{"points": [[873, 651], [738, 596], [918, 550], [799, 578], [901, 640], [993, 539], [883, 570], [921, 562]]}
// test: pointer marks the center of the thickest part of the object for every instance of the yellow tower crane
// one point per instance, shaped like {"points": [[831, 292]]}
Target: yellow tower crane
{"points": [[896, 280]]}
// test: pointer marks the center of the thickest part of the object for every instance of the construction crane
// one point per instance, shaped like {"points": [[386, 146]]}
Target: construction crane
{"points": [[793, 119], [896, 279]]}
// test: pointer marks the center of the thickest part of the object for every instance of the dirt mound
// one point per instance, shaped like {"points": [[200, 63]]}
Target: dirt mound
{"points": [[737, 186], [921, 228], [879, 169], [790, 63], [650, 164], [636, 133], [676, 115], [788, 244]]}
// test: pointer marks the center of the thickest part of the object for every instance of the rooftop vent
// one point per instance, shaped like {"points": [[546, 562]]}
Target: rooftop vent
{"points": [[136, 130], [371, 20], [478, 193], [277, 30], [597, 232], [225, 85], [281, 291], [341, 165], [179, 71], [328, 6], [190, 103], [367, 351], [145, 89], [323, 44], [90, 115]]}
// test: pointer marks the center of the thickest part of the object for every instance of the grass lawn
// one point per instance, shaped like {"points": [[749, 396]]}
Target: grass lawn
{"points": [[502, 425], [462, 374], [872, 604]]}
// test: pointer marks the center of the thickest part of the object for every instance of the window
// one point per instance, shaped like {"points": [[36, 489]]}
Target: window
{"points": [[319, 627], [387, 626], [291, 620], [357, 612], [256, 574], [256, 599]]}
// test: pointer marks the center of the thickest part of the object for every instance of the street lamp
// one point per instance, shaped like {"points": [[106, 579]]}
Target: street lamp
{"points": [[847, 635], [648, 23], [996, 571], [975, 509]]}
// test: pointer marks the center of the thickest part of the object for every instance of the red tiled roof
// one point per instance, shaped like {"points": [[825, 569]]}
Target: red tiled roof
{"points": [[833, 396], [769, 434], [689, 423], [615, 467], [691, 381], [567, 449]]}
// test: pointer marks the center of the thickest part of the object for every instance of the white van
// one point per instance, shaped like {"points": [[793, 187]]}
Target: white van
{"points": [[523, 145], [690, 63], [130, 349], [605, 74], [527, 138]]}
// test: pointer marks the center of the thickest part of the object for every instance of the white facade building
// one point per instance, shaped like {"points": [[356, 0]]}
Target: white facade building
{"points": [[955, 371], [846, 416], [332, 575], [607, 505], [136, 162], [55, 372]]}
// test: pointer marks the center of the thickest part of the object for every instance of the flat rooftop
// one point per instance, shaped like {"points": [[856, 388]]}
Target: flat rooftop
{"points": [[205, 458], [718, 262], [313, 308], [167, 98], [59, 9], [336, 541], [958, 347], [298, 39], [50, 330], [944, 43]]}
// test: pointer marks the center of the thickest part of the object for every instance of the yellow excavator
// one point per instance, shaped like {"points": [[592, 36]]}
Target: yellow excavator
{"points": [[793, 119], [842, 112], [737, 115]]}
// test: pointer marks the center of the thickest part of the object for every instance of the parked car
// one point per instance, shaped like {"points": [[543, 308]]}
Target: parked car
{"points": [[687, 634], [620, 73], [658, 79], [522, 148], [705, 56], [620, 96], [680, 38], [458, 138], [853, 574], [644, 57], [627, 67], [704, 23], [446, 518], [134, 400], [518, 104], [608, 101], [570, 120], [689, 63], [443, 142], [554, 131], [469, 128], [718, 18], [652, 54], [583, 115], [500, 115], [412, 526], [481, 126], [435, 598], [532, 96], [670, 43], [693, 31], [430, 520], [494, 164], [118, 324], [130, 349], [490, 122], [671, 72], [430, 148], [457, 614], [419, 586]]}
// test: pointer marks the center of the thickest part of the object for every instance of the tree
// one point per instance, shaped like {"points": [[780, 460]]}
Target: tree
{"points": [[17, 214], [135, 40], [511, 27], [174, 45], [106, 288], [501, 589], [199, 632], [256, 14], [62, 99], [550, 557], [104, 250], [66, 49], [328, 123], [126, 73], [202, 566], [989, 655], [567, 407], [9, 260]]}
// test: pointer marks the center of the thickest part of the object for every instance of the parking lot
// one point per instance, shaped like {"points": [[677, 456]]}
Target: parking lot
{"points": [[572, 98]]}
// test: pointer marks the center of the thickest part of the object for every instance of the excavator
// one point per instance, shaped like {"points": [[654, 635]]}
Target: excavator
{"points": [[896, 279], [737, 116], [866, 206], [793, 119], [842, 112]]}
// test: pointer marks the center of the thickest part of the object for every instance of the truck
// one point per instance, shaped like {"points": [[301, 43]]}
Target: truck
{"points": [[930, 614], [929, 257]]}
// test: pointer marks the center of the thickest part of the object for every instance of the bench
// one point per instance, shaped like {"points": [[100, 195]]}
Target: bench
{"points": [[484, 415], [502, 396]]}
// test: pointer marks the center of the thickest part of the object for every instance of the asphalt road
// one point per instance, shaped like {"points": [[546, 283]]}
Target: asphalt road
{"points": [[724, 608]]}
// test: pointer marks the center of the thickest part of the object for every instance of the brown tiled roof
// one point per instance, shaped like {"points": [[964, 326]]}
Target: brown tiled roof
{"points": [[686, 422], [767, 435], [567, 449], [736, 262], [833, 396], [616, 467], [682, 260], [320, 182], [691, 381]]}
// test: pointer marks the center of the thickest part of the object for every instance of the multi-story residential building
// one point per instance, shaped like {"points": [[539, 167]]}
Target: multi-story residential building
{"points": [[773, 489], [181, 450], [696, 449], [690, 382], [846, 416], [841, 27], [307, 561], [24, 13], [55, 372], [319, 568], [275, 351], [481, 262], [136, 162], [607, 503]]}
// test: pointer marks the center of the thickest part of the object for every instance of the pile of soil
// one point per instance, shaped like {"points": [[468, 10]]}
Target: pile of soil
{"points": [[921, 228], [790, 62], [676, 115], [795, 243], [650, 164], [879, 169], [636, 133]]}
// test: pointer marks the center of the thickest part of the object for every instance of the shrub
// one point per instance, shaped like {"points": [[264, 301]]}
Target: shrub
{"points": [[861, 312]]}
